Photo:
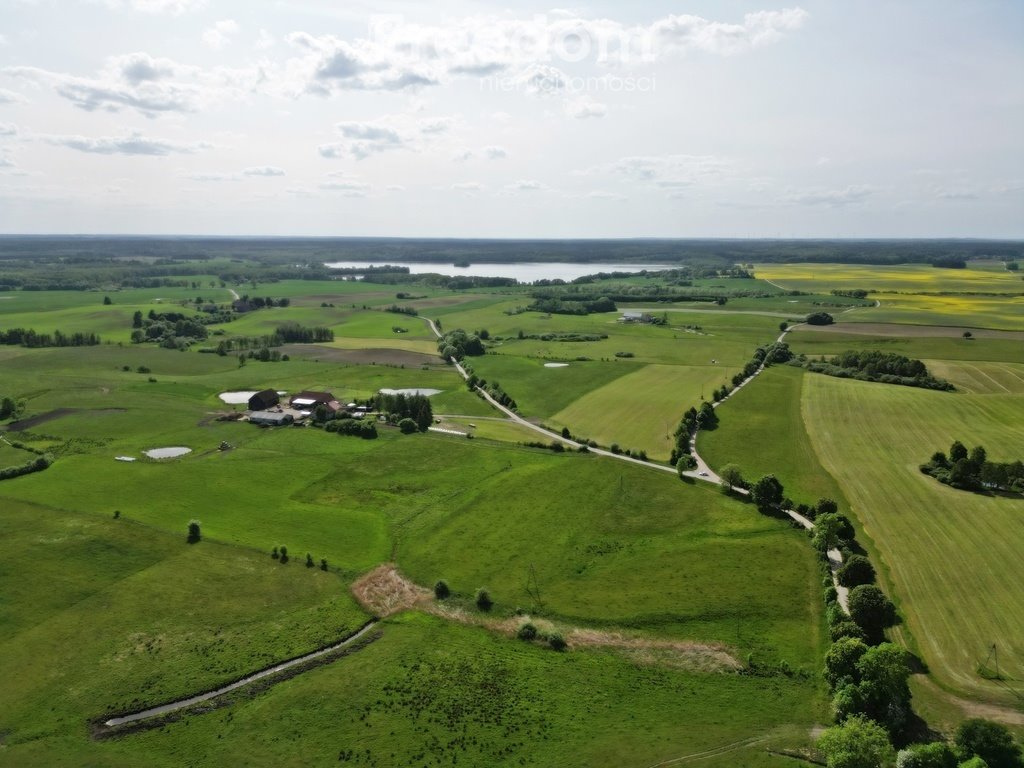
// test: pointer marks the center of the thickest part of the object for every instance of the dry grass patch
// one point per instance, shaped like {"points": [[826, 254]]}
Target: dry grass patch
{"points": [[385, 591]]}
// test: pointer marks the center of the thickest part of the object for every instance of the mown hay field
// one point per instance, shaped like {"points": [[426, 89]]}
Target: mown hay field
{"points": [[950, 558]]}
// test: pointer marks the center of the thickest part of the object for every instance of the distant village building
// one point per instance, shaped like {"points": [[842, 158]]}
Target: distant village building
{"points": [[307, 401], [632, 317], [264, 400], [271, 418]]}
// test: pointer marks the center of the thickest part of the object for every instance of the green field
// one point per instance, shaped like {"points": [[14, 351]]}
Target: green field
{"points": [[641, 410], [761, 430], [648, 576], [951, 558]]}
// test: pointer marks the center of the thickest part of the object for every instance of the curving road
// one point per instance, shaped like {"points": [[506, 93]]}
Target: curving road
{"points": [[702, 472]]}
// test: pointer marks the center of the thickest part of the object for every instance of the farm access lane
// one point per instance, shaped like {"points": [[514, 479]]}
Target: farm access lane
{"points": [[702, 472]]}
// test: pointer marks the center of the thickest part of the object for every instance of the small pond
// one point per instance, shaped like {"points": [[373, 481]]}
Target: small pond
{"points": [[236, 398], [167, 453]]}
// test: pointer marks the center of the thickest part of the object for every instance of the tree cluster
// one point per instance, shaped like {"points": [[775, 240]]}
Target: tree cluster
{"points": [[294, 333], [174, 330], [395, 308], [27, 337], [820, 318], [552, 305], [251, 303], [883, 367], [346, 425], [972, 471], [850, 293], [37, 464], [400, 406], [458, 344]]}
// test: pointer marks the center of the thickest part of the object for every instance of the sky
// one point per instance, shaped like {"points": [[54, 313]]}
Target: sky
{"points": [[471, 119]]}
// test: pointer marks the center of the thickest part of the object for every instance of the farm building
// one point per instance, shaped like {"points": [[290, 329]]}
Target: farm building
{"points": [[307, 401], [263, 400], [271, 418], [632, 317]]}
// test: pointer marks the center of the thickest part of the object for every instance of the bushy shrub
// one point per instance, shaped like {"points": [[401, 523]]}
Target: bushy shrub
{"points": [[527, 632]]}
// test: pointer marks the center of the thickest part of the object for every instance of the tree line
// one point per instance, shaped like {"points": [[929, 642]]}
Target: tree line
{"points": [[882, 367], [972, 470], [28, 337]]}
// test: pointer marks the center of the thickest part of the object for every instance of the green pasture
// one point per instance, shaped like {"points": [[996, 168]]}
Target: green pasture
{"points": [[102, 615], [430, 693], [542, 392], [950, 558], [641, 410], [761, 430], [612, 546]]}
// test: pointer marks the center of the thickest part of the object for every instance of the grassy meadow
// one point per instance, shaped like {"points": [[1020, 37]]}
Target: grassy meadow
{"points": [[761, 429], [949, 557], [101, 614]]}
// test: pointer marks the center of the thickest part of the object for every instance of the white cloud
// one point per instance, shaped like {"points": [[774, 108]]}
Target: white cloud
{"points": [[10, 97], [363, 139], [220, 34], [527, 185], [585, 107], [347, 188], [264, 41], [468, 186], [494, 152], [172, 7], [145, 84], [132, 144], [397, 55], [435, 125], [832, 198], [212, 177], [8, 129], [666, 170], [263, 170]]}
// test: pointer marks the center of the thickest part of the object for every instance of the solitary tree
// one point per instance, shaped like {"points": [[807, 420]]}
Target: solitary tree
{"points": [[441, 590], [309, 560], [483, 600], [731, 476], [284, 554], [556, 641], [107, 301], [194, 533], [323, 563], [857, 743], [767, 493]]}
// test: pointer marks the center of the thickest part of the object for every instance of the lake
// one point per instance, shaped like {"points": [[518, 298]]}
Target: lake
{"points": [[524, 272]]}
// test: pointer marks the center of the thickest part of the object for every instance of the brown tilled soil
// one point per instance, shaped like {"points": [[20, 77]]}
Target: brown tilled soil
{"points": [[362, 356]]}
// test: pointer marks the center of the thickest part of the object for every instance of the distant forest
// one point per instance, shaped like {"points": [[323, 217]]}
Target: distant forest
{"points": [[316, 250]]}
